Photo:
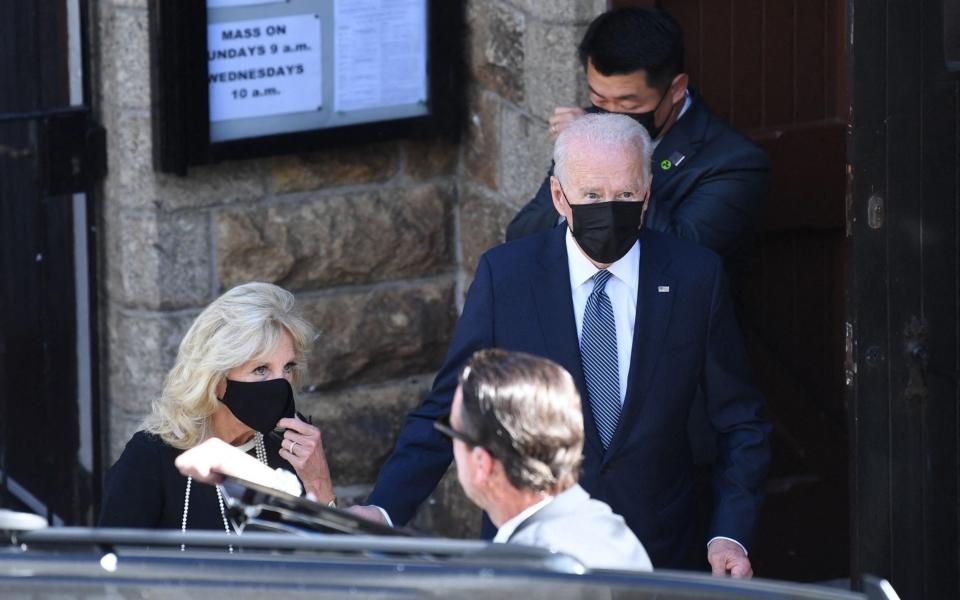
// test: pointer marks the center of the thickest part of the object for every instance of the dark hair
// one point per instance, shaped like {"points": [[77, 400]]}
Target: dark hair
{"points": [[525, 410], [631, 39]]}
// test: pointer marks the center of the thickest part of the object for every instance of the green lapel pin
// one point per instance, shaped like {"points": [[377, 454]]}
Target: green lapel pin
{"points": [[674, 161]]}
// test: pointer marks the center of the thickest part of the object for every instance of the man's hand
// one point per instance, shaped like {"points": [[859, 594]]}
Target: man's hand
{"points": [[370, 513], [211, 460], [204, 462], [727, 558], [563, 116]]}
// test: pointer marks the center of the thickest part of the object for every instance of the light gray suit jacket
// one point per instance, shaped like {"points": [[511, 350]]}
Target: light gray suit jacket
{"points": [[586, 529]]}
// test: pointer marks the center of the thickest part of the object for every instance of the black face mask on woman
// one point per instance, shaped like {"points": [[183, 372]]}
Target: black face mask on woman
{"points": [[260, 404], [606, 230]]}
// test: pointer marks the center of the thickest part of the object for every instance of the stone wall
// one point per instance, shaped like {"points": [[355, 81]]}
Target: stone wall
{"points": [[377, 241]]}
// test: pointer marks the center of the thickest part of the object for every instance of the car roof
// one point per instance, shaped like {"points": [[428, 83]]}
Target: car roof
{"points": [[150, 563]]}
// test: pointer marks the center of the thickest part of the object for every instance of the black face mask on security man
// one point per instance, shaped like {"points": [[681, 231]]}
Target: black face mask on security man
{"points": [[260, 404], [606, 230], [646, 119]]}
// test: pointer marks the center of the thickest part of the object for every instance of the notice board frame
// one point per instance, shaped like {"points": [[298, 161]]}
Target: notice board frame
{"points": [[180, 93]]}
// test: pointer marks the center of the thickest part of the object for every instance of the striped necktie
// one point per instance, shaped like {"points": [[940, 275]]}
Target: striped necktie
{"points": [[598, 352]]}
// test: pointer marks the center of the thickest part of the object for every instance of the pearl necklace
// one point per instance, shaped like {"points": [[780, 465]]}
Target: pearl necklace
{"points": [[261, 450]]}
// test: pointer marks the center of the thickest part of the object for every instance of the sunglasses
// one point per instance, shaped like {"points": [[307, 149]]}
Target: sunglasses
{"points": [[443, 426]]}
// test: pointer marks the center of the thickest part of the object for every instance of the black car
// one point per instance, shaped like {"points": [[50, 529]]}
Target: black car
{"points": [[291, 548]]}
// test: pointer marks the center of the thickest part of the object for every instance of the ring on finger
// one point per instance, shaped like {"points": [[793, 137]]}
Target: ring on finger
{"points": [[293, 444]]}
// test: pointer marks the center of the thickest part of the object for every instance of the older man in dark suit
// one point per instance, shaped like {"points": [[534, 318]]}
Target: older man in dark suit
{"points": [[641, 320]]}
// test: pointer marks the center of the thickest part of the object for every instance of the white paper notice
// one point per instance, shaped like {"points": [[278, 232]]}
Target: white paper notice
{"points": [[263, 67], [380, 49]]}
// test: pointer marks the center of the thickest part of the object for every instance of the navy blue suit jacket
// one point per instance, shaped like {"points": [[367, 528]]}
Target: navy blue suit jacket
{"points": [[520, 299], [711, 197]]}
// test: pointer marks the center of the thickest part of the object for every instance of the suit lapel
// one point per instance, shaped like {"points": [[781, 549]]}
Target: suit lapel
{"points": [[684, 138], [655, 294], [554, 309], [679, 145]]}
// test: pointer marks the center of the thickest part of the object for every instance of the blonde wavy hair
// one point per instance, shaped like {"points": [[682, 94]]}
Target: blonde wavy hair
{"points": [[244, 324]]}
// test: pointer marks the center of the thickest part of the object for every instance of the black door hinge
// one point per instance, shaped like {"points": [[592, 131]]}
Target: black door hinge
{"points": [[73, 152], [71, 148]]}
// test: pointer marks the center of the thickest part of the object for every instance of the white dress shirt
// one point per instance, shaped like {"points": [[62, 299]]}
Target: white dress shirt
{"points": [[507, 529], [622, 291]]}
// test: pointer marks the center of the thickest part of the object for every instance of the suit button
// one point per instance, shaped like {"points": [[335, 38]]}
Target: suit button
{"points": [[604, 470]]}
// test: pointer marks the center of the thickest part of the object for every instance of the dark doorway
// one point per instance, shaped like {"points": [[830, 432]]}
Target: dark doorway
{"points": [[905, 293], [776, 70], [49, 157]]}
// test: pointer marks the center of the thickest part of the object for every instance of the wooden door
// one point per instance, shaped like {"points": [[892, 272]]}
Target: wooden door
{"points": [[45, 161], [776, 70], [904, 304]]}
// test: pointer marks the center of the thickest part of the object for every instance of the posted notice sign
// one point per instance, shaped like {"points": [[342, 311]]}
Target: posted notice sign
{"points": [[264, 67], [380, 49]]}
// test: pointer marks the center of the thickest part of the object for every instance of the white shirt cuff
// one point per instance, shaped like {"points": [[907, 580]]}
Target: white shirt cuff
{"points": [[386, 517], [720, 537]]}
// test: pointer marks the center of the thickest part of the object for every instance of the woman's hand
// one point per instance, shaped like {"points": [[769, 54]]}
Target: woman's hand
{"points": [[302, 447]]}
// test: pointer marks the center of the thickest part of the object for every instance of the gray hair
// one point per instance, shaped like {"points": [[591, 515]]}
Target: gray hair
{"points": [[525, 410], [602, 132]]}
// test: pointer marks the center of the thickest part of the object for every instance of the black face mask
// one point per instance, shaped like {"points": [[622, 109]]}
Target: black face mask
{"points": [[260, 404], [647, 119], [606, 230]]}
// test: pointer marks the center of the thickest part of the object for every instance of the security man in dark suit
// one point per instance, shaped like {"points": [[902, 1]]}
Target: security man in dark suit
{"points": [[708, 180]]}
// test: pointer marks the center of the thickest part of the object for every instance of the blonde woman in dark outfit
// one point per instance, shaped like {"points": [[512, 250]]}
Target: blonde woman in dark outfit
{"points": [[233, 380]]}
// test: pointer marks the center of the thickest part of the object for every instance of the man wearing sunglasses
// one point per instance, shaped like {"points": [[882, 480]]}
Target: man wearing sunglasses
{"points": [[517, 434]]}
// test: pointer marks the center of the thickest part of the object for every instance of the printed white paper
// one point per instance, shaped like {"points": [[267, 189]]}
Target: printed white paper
{"points": [[380, 53]]}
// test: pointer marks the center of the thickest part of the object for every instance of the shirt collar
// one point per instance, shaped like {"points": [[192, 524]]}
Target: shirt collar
{"points": [[506, 530], [687, 101], [627, 269]]}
